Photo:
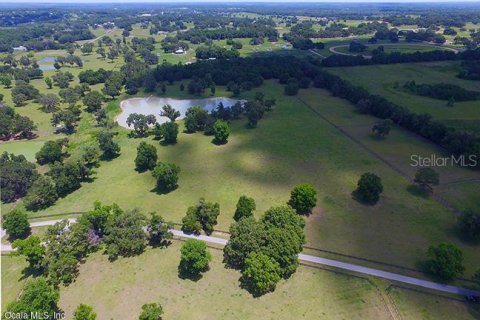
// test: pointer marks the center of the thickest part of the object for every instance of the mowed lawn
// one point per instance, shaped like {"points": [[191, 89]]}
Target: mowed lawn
{"points": [[122, 287], [381, 79], [413, 305], [291, 145]]}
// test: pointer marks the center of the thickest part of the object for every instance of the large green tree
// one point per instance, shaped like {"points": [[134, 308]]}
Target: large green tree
{"points": [[16, 176], [42, 194], [124, 234], [261, 273], [369, 188], [146, 157], [110, 148], [221, 131], [426, 178], [37, 297], [469, 225], [33, 251], [16, 224], [445, 261], [203, 214], [166, 175], [245, 208], [194, 258]]}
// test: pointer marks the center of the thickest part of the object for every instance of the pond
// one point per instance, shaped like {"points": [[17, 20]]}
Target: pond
{"points": [[153, 105]]}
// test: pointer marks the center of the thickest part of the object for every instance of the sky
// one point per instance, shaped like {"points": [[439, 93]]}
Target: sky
{"points": [[226, 1]]}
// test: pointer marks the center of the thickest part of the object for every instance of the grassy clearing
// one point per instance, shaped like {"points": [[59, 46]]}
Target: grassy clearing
{"points": [[123, 286], [381, 79], [418, 305], [12, 277]]}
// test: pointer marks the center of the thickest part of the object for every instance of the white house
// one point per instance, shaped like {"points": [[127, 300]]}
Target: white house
{"points": [[19, 48], [179, 51]]}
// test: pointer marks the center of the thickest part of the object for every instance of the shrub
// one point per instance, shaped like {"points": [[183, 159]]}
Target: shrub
{"points": [[303, 198], [167, 176], [369, 188], [245, 208]]}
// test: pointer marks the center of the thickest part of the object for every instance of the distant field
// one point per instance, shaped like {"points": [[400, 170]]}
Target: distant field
{"points": [[27, 148], [382, 79], [389, 48]]}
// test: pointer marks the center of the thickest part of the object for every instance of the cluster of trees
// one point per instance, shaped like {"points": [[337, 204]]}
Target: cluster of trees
{"points": [[13, 125], [16, 176], [442, 91], [197, 35], [424, 35], [69, 60], [202, 216], [19, 177], [22, 92], [357, 46], [216, 52], [266, 250], [141, 123], [456, 142], [470, 70], [119, 232], [337, 60], [93, 77]]}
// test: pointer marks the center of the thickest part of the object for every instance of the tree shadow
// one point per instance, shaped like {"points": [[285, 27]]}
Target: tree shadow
{"points": [[189, 276], [161, 191], [219, 143], [108, 158], [31, 272], [417, 191], [360, 199], [246, 285]]}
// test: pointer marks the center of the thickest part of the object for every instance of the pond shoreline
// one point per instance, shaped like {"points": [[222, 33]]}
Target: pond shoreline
{"points": [[153, 105]]}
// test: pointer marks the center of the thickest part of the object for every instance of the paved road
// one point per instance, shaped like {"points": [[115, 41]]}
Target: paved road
{"points": [[311, 259]]}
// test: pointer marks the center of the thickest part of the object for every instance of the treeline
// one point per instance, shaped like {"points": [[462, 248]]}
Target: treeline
{"points": [[201, 35], [208, 52], [456, 142], [471, 70], [43, 36], [13, 125], [442, 91], [397, 57]]}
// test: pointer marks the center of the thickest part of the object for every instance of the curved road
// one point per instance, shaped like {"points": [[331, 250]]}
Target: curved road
{"points": [[308, 258]]}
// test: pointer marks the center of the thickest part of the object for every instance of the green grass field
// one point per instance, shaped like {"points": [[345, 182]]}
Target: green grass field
{"points": [[263, 164], [389, 48], [382, 79], [414, 305], [122, 287]]}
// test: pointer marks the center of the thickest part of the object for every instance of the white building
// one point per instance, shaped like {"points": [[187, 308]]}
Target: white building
{"points": [[19, 48]]}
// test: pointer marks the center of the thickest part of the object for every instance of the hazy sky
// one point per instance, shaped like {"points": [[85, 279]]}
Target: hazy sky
{"points": [[221, 1]]}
